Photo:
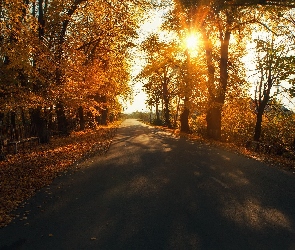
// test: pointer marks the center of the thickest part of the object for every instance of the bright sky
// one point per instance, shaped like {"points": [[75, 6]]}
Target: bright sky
{"points": [[150, 25]]}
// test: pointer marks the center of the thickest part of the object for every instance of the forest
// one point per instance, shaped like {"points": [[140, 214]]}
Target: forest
{"points": [[66, 66], [63, 65], [225, 69]]}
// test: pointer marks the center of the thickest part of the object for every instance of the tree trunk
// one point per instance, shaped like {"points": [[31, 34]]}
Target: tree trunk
{"points": [[104, 116], [62, 123], [166, 103], [157, 114], [258, 125], [184, 126], [50, 119], [151, 114], [13, 132], [40, 125], [167, 116], [176, 115], [41, 21], [103, 109], [23, 78], [213, 119], [59, 74], [13, 119]]}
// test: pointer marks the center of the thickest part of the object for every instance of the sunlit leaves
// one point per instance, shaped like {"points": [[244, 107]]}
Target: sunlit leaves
{"points": [[82, 50]]}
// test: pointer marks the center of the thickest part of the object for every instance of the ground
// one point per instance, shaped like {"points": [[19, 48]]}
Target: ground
{"points": [[157, 190], [22, 174]]}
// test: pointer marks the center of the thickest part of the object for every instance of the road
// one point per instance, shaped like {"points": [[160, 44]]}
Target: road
{"points": [[155, 191]]}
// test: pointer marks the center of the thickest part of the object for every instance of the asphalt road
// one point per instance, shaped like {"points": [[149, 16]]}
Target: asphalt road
{"points": [[153, 191]]}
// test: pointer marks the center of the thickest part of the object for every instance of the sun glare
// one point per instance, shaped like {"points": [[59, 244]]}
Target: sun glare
{"points": [[191, 42]]}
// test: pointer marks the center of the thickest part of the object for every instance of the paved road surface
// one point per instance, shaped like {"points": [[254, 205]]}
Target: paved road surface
{"points": [[152, 191]]}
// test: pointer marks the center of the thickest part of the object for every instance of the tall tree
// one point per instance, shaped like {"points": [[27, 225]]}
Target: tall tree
{"points": [[66, 52], [275, 65], [221, 19], [162, 68]]}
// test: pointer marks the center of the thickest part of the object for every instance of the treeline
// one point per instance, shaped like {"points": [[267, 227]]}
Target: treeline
{"points": [[63, 64], [233, 83]]}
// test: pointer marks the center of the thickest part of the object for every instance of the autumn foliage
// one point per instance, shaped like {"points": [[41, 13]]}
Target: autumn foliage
{"points": [[60, 58], [234, 84]]}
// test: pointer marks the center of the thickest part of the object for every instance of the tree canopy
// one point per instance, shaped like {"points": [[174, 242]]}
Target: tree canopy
{"points": [[226, 29], [69, 61]]}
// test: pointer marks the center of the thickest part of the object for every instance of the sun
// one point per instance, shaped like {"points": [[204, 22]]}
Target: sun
{"points": [[191, 41]]}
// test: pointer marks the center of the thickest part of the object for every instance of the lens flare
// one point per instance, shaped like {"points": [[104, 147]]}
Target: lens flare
{"points": [[191, 42]]}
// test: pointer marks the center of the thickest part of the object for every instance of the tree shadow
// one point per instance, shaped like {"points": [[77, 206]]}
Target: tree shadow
{"points": [[153, 191]]}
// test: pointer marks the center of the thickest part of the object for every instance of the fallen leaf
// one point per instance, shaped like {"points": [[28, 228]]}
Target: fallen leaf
{"points": [[33, 168]]}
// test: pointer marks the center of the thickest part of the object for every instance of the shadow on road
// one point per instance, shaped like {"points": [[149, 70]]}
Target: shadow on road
{"points": [[156, 191]]}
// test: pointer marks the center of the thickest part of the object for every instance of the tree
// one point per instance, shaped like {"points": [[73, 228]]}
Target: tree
{"points": [[221, 19], [162, 73], [17, 39], [154, 92], [243, 3], [275, 65], [63, 54], [291, 24], [212, 21]]}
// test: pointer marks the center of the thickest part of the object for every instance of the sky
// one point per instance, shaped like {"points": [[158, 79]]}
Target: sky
{"points": [[151, 24]]}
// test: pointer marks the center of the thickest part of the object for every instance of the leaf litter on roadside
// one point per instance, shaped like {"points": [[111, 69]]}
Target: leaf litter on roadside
{"points": [[22, 174], [277, 161]]}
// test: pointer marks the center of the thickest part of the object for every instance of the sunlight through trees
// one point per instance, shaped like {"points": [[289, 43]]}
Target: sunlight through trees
{"points": [[212, 76], [67, 65]]}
